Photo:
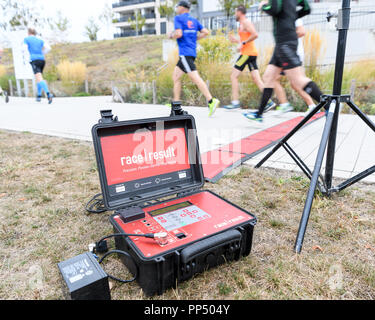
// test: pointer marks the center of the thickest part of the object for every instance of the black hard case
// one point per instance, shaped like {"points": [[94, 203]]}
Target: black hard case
{"points": [[157, 274]]}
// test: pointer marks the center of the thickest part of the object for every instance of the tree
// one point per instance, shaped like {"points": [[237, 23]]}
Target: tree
{"points": [[106, 18], [91, 29], [59, 27], [229, 6], [168, 9], [137, 22], [20, 14]]}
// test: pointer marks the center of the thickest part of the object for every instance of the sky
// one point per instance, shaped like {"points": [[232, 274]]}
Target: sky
{"points": [[78, 12]]}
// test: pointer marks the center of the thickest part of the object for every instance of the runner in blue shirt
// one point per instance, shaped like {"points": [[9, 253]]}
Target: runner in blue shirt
{"points": [[37, 49], [186, 32]]}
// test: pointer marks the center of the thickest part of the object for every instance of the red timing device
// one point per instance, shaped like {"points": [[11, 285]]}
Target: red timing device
{"points": [[151, 174]]}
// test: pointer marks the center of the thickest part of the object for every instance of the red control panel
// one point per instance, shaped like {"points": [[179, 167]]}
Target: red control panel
{"points": [[185, 220]]}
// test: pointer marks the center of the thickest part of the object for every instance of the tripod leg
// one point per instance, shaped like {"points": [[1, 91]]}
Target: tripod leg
{"points": [[314, 181], [332, 148], [364, 117], [354, 179], [305, 169], [290, 134]]}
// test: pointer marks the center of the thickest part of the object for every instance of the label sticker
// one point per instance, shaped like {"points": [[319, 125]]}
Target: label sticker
{"points": [[120, 189]]}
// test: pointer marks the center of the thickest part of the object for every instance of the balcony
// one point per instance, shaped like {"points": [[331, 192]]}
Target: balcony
{"points": [[129, 3], [132, 18], [134, 33]]}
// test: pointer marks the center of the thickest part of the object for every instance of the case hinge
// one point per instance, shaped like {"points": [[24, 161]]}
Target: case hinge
{"points": [[185, 193], [177, 109], [107, 117]]}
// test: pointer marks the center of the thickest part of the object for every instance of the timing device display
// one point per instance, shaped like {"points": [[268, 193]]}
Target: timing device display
{"points": [[145, 159], [179, 215]]}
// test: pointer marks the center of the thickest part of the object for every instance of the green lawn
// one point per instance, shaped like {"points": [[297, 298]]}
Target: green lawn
{"points": [[45, 183]]}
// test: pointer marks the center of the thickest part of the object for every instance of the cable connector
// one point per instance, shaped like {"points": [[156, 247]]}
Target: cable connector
{"points": [[92, 247], [161, 238], [101, 246]]}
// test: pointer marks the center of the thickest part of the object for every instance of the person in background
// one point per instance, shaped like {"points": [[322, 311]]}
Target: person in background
{"points": [[285, 57], [284, 105], [248, 57], [186, 32], [37, 49]]}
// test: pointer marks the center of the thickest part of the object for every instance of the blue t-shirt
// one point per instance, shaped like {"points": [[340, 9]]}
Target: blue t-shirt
{"points": [[190, 26], [35, 46]]}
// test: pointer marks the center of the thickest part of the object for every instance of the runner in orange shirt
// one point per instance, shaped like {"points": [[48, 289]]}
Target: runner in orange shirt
{"points": [[248, 57]]}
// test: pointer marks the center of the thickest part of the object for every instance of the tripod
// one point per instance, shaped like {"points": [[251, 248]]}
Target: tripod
{"points": [[328, 141]]}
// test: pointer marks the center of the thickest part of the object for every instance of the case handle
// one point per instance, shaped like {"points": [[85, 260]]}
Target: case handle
{"points": [[210, 244]]}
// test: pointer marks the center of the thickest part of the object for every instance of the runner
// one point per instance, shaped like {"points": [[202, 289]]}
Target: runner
{"points": [[3, 93], [284, 105], [186, 33], [285, 57], [37, 49], [248, 57]]}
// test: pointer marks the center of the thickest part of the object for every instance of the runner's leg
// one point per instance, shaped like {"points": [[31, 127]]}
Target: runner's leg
{"points": [[255, 75], [235, 85], [202, 86], [300, 82], [280, 91], [177, 83], [269, 78]]}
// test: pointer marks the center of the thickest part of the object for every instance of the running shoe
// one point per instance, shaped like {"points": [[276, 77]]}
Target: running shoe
{"points": [[311, 108], [50, 98], [285, 108], [38, 98], [253, 116], [215, 103], [232, 106], [270, 105]]}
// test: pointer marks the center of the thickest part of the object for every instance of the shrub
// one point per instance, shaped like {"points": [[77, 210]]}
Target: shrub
{"points": [[72, 75], [315, 49], [72, 71], [51, 73], [2, 71], [81, 94], [4, 82], [217, 49]]}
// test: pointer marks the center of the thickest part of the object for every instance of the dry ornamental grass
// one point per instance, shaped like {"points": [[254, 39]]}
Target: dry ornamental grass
{"points": [[45, 183]]}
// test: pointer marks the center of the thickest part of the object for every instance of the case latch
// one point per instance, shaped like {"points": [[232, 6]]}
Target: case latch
{"points": [[107, 117]]}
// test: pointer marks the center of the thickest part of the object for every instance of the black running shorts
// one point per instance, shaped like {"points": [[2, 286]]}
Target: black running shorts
{"points": [[285, 56], [187, 64], [38, 66], [243, 61]]}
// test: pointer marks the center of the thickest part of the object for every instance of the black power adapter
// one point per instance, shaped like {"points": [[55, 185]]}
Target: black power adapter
{"points": [[84, 278]]}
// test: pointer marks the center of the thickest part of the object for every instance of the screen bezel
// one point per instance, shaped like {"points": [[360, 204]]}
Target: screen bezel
{"points": [[130, 127]]}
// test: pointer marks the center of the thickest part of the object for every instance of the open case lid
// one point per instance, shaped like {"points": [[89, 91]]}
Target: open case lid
{"points": [[148, 159]]}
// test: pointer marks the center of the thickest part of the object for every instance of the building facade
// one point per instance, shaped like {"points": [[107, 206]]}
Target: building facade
{"points": [[128, 12], [209, 12]]}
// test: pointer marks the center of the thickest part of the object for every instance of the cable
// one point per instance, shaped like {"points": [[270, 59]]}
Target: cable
{"points": [[102, 247], [96, 205], [126, 255], [147, 235]]}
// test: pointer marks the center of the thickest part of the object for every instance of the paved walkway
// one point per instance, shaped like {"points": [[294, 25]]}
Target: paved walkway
{"points": [[355, 148], [74, 118]]}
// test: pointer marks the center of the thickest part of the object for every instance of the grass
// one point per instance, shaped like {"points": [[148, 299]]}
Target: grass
{"points": [[45, 183]]}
